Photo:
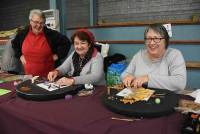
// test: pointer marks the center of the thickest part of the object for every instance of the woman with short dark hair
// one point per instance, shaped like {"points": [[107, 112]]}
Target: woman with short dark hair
{"points": [[156, 64], [84, 65]]}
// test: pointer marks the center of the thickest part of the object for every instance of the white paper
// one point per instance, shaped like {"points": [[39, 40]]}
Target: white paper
{"points": [[125, 92], [194, 93], [50, 86], [197, 100], [169, 29]]}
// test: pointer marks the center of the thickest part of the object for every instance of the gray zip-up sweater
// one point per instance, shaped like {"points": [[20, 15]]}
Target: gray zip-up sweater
{"points": [[167, 73], [92, 72]]}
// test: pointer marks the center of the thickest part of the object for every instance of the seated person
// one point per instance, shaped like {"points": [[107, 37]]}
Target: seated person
{"points": [[84, 65], [39, 48], [9, 63], [156, 64]]}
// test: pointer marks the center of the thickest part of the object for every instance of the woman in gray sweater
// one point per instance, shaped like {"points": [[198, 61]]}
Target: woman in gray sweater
{"points": [[157, 65], [84, 65]]}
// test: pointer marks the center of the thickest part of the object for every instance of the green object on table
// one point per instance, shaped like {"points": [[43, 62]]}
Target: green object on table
{"points": [[4, 91], [157, 101]]}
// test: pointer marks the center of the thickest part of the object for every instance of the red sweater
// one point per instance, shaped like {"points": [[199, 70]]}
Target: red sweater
{"points": [[38, 55]]}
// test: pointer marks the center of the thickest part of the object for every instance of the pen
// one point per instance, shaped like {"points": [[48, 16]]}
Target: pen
{"points": [[49, 86], [56, 86], [122, 119], [158, 95]]}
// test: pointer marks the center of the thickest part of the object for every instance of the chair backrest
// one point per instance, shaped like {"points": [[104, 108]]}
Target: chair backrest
{"points": [[103, 48], [98, 47]]}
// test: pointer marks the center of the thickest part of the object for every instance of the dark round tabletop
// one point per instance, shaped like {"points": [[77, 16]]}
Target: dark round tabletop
{"points": [[31, 91], [146, 109]]}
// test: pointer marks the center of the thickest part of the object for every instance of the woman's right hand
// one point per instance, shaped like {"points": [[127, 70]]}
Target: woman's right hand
{"points": [[52, 75], [128, 80], [23, 60]]}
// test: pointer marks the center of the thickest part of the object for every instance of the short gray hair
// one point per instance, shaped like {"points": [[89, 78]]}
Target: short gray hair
{"points": [[37, 12], [161, 30]]}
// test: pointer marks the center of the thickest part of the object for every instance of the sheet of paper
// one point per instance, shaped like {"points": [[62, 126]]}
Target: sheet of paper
{"points": [[4, 91], [50, 86], [197, 100], [169, 29], [125, 92], [146, 93], [47, 87], [194, 93]]}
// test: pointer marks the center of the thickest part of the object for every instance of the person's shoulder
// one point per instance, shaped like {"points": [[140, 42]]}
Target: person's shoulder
{"points": [[98, 55], [71, 54], [20, 34], [173, 51], [50, 31], [140, 53], [23, 30], [172, 54], [70, 57], [52, 34]]}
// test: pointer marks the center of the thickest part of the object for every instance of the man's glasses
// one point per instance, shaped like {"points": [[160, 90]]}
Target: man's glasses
{"points": [[37, 22], [156, 40]]}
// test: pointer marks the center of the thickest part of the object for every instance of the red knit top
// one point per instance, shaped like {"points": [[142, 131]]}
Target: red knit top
{"points": [[38, 55]]}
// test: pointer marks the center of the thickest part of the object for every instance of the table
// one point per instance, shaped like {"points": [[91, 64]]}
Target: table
{"points": [[10, 86], [79, 115]]}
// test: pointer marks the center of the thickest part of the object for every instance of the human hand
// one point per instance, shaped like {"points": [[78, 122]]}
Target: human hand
{"points": [[23, 60], [65, 81], [128, 80], [52, 75], [140, 80]]}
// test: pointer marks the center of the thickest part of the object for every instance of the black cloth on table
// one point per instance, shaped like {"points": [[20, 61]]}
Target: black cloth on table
{"points": [[147, 109], [39, 94]]}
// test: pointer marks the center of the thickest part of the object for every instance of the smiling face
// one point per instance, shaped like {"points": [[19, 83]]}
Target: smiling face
{"points": [[81, 46], [37, 24], [155, 44]]}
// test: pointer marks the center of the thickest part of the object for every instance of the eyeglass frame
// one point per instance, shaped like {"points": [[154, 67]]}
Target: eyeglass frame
{"points": [[37, 22], [148, 40]]}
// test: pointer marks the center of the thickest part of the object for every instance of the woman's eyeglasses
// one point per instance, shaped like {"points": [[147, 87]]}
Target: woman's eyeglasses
{"points": [[156, 40]]}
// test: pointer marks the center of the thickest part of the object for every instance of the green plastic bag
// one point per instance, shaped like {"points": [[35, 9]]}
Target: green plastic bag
{"points": [[114, 72]]}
